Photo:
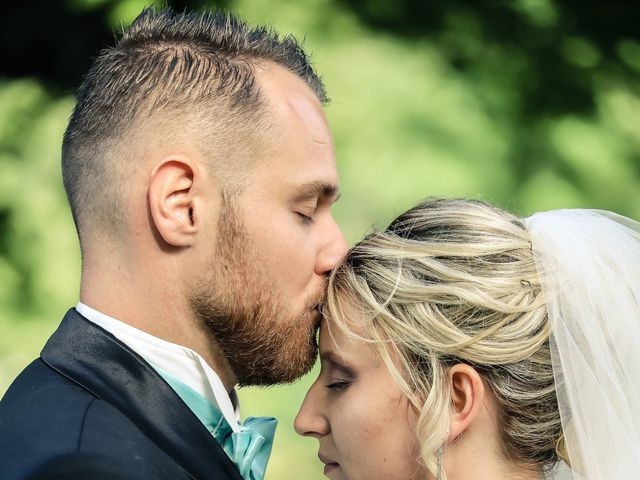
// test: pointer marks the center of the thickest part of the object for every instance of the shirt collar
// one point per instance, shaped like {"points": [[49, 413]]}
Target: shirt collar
{"points": [[173, 361]]}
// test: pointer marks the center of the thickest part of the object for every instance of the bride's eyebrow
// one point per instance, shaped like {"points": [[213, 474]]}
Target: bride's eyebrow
{"points": [[332, 359]]}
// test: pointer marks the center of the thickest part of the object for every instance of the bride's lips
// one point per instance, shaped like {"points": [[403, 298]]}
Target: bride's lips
{"points": [[329, 466]]}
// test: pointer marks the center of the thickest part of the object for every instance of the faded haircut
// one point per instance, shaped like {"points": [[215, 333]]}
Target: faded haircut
{"points": [[170, 72]]}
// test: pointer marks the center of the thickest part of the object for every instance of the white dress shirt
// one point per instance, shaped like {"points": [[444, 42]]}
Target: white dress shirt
{"points": [[170, 359]]}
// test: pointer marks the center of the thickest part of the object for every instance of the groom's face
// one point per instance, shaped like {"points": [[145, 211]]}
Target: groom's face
{"points": [[277, 241]]}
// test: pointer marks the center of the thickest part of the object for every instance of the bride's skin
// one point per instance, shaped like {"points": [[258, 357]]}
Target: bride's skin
{"points": [[365, 426], [363, 423]]}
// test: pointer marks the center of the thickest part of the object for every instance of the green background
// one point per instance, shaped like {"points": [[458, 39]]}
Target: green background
{"points": [[529, 104]]}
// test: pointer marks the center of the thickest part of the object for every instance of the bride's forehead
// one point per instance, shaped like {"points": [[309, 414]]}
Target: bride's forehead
{"points": [[337, 342]]}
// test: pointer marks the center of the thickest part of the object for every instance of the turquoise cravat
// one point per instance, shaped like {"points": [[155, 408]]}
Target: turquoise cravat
{"points": [[248, 449]]}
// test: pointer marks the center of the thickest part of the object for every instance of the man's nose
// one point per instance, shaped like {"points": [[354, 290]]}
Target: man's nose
{"points": [[334, 250]]}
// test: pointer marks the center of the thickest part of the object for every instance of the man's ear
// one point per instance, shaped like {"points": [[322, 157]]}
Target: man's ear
{"points": [[467, 397], [173, 200]]}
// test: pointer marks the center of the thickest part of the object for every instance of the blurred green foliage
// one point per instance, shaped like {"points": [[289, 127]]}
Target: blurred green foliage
{"points": [[529, 104]]}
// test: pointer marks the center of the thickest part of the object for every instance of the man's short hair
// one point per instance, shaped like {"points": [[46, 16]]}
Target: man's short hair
{"points": [[181, 71]]}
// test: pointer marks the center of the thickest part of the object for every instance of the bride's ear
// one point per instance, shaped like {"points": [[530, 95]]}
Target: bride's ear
{"points": [[467, 396]]}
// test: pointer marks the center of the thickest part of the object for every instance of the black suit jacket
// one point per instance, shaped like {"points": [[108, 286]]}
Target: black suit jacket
{"points": [[91, 408]]}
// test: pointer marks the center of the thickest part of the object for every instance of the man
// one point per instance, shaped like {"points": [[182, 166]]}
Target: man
{"points": [[200, 173]]}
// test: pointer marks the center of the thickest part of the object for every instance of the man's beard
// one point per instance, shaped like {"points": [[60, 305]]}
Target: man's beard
{"points": [[264, 341]]}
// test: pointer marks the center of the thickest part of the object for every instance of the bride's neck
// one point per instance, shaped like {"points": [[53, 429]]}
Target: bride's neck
{"points": [[475, 471], [480, 457]]}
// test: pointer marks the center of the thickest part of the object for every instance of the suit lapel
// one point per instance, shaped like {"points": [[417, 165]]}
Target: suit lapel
{"points": [[100, 363]]}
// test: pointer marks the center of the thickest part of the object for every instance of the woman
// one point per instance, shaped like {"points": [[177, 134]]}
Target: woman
{"points": [[465, 343]]}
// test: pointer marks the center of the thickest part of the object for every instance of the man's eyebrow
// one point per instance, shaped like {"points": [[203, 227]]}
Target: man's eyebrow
{"points": [[317, 189]]}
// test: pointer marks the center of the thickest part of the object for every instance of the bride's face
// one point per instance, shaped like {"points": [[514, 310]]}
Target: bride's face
{"points": [[363, 422]]}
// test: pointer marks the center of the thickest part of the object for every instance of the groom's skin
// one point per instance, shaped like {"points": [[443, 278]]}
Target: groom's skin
{"points": [[200, 173], [175, 238]]}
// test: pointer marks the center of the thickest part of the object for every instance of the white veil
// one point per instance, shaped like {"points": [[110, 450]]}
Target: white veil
{"points": [[589, 265]]}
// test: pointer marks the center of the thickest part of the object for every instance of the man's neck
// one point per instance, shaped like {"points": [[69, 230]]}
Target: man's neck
{"points": [[163, 316]]}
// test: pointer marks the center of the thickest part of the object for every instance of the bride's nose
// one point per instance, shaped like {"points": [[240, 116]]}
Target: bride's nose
{"points": [[311, 421]]}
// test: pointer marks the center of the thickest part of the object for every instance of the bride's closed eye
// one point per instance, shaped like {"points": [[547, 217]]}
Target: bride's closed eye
{"points": [[338, 376], [338, 385]]}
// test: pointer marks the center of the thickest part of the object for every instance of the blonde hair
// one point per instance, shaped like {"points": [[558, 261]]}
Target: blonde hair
{"points": [[454, 281]]}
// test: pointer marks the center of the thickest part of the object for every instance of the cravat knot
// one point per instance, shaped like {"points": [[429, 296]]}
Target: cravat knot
{"points": [[249, 449]]}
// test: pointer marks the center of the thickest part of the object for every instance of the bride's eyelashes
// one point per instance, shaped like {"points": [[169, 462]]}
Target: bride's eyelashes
{"points": [[339, 385], [336, 374], [339, 380]]}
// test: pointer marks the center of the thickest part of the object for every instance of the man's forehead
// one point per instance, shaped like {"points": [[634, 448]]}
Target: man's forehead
{"points": [[291, 98], [279, 81]]}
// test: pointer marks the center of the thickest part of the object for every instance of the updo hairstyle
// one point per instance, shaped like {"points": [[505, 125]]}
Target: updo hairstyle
{"points": [[447, 282]]}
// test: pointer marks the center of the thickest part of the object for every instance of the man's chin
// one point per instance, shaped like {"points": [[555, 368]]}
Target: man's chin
{"points": [[265, 349], [282, 373], [289, 364]]}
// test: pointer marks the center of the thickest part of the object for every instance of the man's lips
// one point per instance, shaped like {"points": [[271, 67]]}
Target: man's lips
{"points": [[316, 316]]}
